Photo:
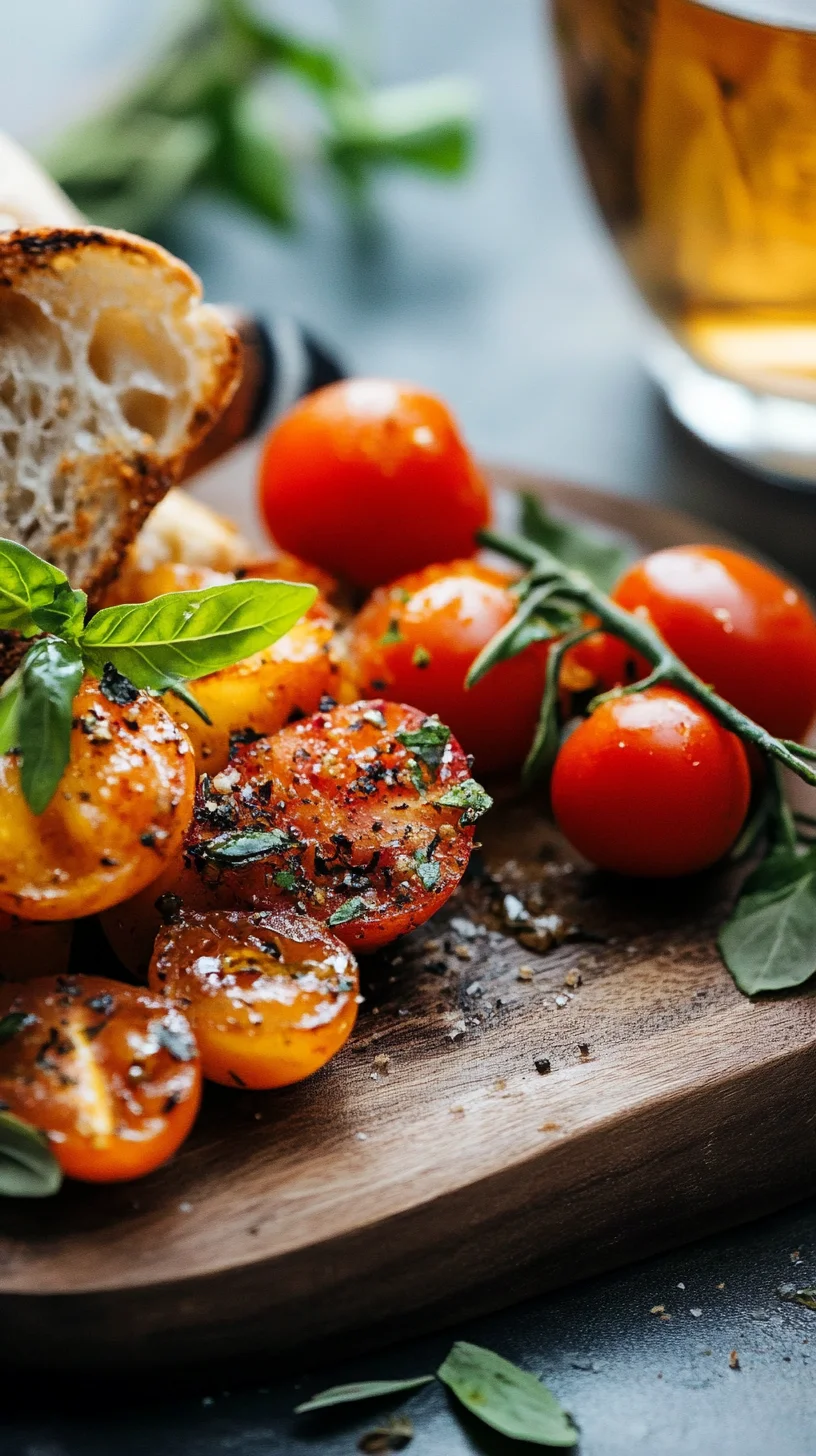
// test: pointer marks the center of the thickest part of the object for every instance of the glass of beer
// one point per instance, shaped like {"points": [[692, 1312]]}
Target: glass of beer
{"points": [[696, 120]]}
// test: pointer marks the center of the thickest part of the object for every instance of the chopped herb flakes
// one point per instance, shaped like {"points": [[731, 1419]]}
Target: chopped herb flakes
{"points": [[392, 634], [352, 909], [14, 1022], [421, 657], [428, 870], [243, 846], [428, 742], [468, 796]]}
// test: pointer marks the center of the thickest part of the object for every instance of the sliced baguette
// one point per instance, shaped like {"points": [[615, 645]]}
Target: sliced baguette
{"points": [[111, 371]]}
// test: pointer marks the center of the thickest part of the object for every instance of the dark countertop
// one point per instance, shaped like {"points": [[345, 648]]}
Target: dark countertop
{"points": [[503, 294]]}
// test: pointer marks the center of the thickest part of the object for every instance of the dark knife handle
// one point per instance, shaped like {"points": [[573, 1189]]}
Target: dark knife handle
{"points": [[281, 362]]}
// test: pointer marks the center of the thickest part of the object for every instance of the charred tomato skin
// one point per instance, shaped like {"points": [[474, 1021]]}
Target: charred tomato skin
{"points": [[362, 841], [109, 1072], [271, 995]]}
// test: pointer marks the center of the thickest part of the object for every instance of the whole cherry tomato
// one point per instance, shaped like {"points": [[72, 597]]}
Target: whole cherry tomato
{"points": [[109, 1072], [651, 784], [361, 817], [415, 640], [371, 479], [739, 626], [271, 995]]}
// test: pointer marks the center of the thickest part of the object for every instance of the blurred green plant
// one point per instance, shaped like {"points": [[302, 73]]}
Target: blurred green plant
{"points": [[212, 109]]}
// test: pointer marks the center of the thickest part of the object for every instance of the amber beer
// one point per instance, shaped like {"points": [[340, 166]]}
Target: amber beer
{"points": [[697, 124]]}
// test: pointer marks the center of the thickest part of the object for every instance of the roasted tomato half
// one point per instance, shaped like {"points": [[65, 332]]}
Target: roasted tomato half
{"points": [[271, 995], [361, 817], [109, 1072]]}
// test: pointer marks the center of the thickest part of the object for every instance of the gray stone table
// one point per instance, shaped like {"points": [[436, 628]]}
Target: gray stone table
{"points": [[502, 293]]}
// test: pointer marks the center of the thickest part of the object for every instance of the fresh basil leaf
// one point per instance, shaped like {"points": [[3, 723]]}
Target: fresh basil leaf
{"points": [[468, 796], [10, 699], [65, 615], [427, 742], [27, 585], [351, 909], [185, 635], [51, 674], [510, 1400], [769, 941], [577, 546], [360, 1390], [243, 846], [28, 1168]]}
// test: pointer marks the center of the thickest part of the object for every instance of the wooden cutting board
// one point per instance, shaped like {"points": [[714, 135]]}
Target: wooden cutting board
{"points": [[369, 1202]]}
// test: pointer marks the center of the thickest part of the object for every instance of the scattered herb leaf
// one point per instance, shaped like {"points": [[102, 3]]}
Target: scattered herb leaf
{"points": [[421, 657], [428, 742], [392, 634], [28, 1168], [243, 846], [805, 1297], [769, 941], [510, 1400], [428, 870], [468, 796], [352, 909], [286, 880], [360, 1390]]}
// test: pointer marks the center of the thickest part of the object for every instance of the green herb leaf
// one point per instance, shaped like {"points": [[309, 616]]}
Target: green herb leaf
{"points": [[12, 1023], [286, 880], [508, 1399], [392, 634], [65, 615], [51, 673], [577, 546], [352, 909], [769, 941], [28, 1168], [243, 846], [185, 635], [805, 1297], [257, 163], [360, 1390], [421, 657], [428, 870], [10, 699], [468, 796], [428, 742], [27, 585], [428, 125]]}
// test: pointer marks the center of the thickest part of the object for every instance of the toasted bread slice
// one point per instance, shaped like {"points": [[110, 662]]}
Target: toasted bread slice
{"points": [[111, 371]]}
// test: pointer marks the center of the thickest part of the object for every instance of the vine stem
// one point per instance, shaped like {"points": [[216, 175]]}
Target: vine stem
{"points": [[575, 587]]}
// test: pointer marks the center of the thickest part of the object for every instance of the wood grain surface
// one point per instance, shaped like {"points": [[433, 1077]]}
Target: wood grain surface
{"points": [[372, 1201]]}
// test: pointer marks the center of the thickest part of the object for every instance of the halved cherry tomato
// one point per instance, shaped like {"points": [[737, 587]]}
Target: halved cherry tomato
{"points": [[116, 819], [370, 478], [415, 640], [263, 692], [109, 1072], [739, 626], [362, 815], [651, 784], [271, 995]]}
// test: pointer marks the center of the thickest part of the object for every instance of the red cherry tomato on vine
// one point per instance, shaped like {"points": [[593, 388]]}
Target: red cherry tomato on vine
{"points": [[415, 640], [109, 1072], [651, 784], [739, 626], [370, 479]]}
